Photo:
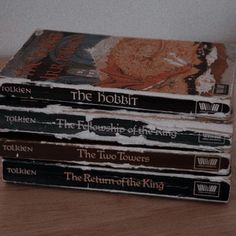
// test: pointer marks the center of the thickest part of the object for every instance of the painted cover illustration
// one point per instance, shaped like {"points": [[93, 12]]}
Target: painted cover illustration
{"points": [[166, 66]]}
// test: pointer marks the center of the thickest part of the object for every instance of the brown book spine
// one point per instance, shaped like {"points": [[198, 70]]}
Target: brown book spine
{"points": [[114, 156]]}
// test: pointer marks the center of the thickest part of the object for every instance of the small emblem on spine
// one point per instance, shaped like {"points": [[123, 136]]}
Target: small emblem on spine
{"points": [[206, 189], [207, 107], [207, 163], [211, 139]]}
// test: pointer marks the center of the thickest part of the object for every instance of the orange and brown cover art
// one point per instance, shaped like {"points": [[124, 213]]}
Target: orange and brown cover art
{"points": [[162, 66], [177, 67]]}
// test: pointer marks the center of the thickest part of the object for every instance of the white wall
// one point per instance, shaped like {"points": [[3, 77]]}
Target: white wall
{"points": [[208, 20]]}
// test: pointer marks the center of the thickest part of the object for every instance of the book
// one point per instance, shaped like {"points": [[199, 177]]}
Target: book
{"points": [[120, 181], [66, 122], [105, 155], [148, 76]]}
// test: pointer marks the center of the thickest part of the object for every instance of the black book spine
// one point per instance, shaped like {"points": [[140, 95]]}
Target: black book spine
{"points": [[109, 128], [103, 99], [113, 156], [103, 179]]}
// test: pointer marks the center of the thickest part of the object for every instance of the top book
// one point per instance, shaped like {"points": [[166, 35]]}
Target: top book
{"points": [[148, 76]]}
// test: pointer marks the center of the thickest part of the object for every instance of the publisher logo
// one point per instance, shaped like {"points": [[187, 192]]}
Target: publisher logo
{"points": [[210, 139], [206, 189], [207, 163], [207, 107], [221, 89]]}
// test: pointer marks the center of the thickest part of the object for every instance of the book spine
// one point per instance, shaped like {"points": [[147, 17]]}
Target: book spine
{"points": [[123, 157], [103, 179], [111, 129], [125, 99]]}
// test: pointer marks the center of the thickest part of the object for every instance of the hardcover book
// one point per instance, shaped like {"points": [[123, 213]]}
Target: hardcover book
{"points": [[205, 188], [135, 74]]}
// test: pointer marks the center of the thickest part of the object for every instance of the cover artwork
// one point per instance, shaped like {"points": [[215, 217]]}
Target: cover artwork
{"points": [[165, 66]]}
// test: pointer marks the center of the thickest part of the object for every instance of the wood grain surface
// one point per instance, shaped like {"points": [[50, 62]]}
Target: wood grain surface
{"points": [[29, 211]]}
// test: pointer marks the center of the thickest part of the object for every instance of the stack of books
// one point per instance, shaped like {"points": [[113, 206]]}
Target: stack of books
{"points": [[128, 115]]}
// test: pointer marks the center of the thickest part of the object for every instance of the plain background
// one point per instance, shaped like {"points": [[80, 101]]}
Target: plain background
{"points": [[205, 20]]}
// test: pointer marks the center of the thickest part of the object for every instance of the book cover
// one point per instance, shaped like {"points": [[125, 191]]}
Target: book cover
{"points": [[125, 157], [66, 122], [135, 74], [204, 188]]}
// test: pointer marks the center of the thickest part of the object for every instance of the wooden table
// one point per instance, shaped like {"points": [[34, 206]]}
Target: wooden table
{"points": [[29, 211]]}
